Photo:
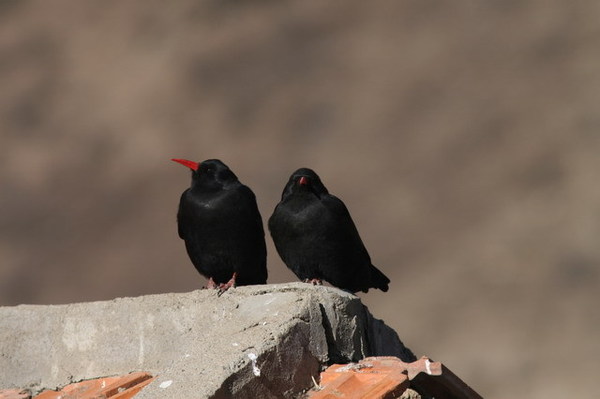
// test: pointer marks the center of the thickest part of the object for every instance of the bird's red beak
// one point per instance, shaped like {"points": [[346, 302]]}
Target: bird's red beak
{"points": [[303, 181], [190, 164]]}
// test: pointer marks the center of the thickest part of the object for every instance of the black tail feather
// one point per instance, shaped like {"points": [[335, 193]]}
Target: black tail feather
{"points": [[379, 280]]}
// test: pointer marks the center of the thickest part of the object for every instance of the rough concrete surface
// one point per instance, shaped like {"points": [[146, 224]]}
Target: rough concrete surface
{"points": [[257, 341]]}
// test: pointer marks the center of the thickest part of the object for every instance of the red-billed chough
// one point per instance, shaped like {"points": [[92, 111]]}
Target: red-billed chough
{"points": [[315, 236], [220, 223]]}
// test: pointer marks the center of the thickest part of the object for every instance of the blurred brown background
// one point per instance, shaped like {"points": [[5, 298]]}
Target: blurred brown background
{"points": [[464, 138]]}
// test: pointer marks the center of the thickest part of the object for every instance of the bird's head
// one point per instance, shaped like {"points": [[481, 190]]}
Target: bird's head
{"points": [[305, 180], [209, 173]]}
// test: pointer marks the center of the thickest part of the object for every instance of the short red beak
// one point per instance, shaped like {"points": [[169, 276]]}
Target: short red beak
{"points": [[190, 164], [303, 181]]}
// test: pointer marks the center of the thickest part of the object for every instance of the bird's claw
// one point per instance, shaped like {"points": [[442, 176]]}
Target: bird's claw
{"points": [[230, 284], [211, 285], [314, 281]]}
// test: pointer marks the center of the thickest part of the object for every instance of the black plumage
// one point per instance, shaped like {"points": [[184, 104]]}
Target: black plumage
{"points": [[219, 221], [315, 236]]}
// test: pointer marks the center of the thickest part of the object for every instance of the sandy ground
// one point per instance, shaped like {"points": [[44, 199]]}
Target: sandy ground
{"points": [[464, 138]]}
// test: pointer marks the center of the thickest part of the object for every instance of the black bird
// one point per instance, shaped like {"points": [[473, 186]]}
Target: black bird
{"points": [[315, 236], [220, 223]]}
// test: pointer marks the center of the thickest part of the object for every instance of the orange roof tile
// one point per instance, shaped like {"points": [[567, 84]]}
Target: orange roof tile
{"points": [[123, 387], [387, 377]]}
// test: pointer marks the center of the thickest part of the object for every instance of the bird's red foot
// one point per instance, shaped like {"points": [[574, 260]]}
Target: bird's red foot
{"points": [[211, 284], [231, 283], [314, 281]]}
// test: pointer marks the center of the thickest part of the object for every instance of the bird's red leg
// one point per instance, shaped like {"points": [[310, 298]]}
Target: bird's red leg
{"points": [[228, 285], [314, 281], [211, 284]]}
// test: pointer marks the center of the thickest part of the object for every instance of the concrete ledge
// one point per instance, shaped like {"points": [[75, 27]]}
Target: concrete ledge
{"points": [[258, 341]]}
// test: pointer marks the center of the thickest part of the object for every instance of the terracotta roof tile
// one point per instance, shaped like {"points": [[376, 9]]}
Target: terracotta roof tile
{"points": [[123, 387], [388, 377]]}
